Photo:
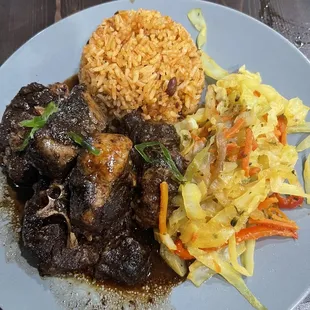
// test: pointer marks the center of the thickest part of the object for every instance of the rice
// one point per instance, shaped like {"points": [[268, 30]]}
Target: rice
{"points": [[130, 59]]}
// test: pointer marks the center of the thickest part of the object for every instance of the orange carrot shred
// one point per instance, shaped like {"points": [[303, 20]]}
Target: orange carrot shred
{"points": [[254, 144], [181, 251], [282, 127], [274, 224], [254, 170], [163, 208], [269, 201], [261, 231], [226, 118], [232, 148], [256, 93], [246, 151], [234, 129]]}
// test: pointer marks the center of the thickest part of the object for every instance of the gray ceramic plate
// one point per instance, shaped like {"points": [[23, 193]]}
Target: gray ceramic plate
{"points": [[282, 273]]}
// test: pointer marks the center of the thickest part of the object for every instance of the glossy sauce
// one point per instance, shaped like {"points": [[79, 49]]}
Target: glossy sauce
{"points": [[161, 274]]}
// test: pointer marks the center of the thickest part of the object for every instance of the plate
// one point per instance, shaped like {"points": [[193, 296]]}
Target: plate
{"points": [[282, 271]]}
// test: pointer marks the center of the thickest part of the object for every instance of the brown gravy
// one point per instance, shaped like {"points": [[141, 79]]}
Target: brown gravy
{"points": [[161, 274]]}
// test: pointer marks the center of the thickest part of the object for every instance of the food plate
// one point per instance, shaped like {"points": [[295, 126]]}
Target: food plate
{"points": [[282, 270]]}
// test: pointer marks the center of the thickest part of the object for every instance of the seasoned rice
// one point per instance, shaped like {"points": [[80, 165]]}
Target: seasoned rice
{"points": [[130, 59]]}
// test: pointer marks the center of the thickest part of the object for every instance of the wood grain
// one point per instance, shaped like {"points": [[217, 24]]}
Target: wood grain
{"points": [[21, 19]]}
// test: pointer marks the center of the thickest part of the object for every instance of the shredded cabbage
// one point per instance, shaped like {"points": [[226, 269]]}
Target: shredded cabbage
{"points": [[211, 68], [295, 112], [199, 273], [218, 198], [239, 162], [173, 260], [305, 127], [307, 177], [232, 248], [192, 197], [303, 145], [247, 257], [215, 262], [196, 18]]}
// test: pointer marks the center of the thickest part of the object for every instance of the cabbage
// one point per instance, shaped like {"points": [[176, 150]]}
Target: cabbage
{"points": [[200, 165], [278, 185], [177, 218], [211, 207], [295, 112], [196, 18], [248, 202], [248, 256], [305, 127], [307, 177], [211, 68], [189, 123], [199, 273], [165, 239], [173, 260], [232, 248], [217, 198], [214, 233], [214, 261], [303, 145], [192, 197]]}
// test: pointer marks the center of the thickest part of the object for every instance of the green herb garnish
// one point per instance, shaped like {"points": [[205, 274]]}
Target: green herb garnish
{"points": [[37, 122], [166, 157], [84, 143]]}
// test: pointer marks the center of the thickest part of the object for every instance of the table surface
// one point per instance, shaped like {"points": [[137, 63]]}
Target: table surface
{"points": [[21, 19]]}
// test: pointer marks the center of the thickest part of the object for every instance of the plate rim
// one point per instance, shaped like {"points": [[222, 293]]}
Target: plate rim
{"points": [[201, 2], [111, 2]]}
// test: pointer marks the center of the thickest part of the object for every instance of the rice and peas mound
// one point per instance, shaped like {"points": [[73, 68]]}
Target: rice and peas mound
{"points": [[141, 59]]}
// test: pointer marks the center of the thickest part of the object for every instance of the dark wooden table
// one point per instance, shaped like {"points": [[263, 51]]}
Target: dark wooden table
{"points": [[21, 19]]}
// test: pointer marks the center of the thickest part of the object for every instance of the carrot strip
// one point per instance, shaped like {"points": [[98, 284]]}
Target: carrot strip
{"points": [[226, 118], [234, 129], [230, 147], [282, 125], [265, 117], [274, 224], [204, 132], [195, 137], [277, 132], [276, 214], [181, 251], [261, 231], [163, 208], [246, 151], [267, 203], [254, 171], [254, 144], [256, 93]]}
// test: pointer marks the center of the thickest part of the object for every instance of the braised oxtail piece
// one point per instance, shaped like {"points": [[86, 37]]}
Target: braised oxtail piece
{"points": [[29, 102], [150, 175]]}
